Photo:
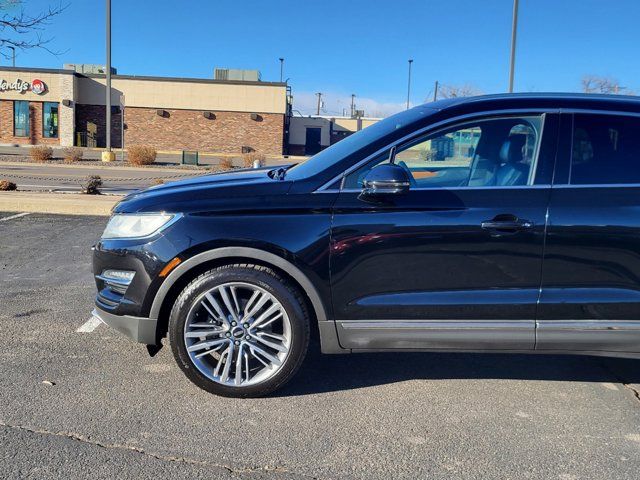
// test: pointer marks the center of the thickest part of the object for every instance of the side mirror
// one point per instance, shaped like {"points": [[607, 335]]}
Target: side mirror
{"points": [[386, 179]]}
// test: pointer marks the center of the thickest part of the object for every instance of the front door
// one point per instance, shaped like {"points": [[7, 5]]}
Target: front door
{"points": [[590, 297], [456, 262], [312, 141]]}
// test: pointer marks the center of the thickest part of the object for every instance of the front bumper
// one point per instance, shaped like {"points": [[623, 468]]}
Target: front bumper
{"points": [[139, 329]]}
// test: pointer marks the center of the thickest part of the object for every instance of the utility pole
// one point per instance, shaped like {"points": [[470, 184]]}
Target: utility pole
{"points": [[409, 84], [514, 28], [353, 105], [108, 98], [13, 56], [319, 94], [281, 68], [435, 92]]}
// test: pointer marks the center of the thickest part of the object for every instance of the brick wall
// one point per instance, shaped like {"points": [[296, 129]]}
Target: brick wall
{"points": [[97, 114], [228, 132], [35, 128]]}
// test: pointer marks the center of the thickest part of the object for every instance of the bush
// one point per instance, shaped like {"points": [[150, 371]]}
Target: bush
{"points": [[141, 155], [225, 164], [94, 182], [72, 154], [6, 185], [41, 153], [248, 159]]}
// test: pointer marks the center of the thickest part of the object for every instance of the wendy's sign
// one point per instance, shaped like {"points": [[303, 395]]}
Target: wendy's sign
{"points": [[36, 86]]}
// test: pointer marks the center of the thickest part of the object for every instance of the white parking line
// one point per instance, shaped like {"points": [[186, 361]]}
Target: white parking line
{"points": [[17, 215], [90, 325]]}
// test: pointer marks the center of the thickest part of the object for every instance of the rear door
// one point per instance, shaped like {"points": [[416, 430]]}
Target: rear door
{"points": [[456, 262], [590, 296]]}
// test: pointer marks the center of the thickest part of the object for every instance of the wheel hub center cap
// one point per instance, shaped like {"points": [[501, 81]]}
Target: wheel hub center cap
{"points": [[237, 332]]}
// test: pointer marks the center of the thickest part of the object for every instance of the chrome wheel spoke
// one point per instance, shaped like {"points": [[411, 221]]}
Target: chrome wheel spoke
{"points": [[221, 317], [276, 346], [237, 334], [256, 349], [206, 344], [270, 311], [227, 302], [264, 324], [255, 308], [239, 362]]}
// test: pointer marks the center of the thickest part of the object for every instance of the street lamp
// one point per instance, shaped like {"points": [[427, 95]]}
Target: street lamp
{"points": [[108, 156], [409, 84], [514, 28], [13, 55], [281, 68]]}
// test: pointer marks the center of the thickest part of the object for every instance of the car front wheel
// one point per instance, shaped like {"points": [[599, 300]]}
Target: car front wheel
{"points": [[239, 330]]}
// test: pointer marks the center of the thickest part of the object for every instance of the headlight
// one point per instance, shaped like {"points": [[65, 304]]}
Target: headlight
{"points": [[137, 225]]}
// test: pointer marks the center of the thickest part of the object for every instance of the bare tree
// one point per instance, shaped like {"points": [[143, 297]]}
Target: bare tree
{"points": [[598, 84], [24, 30], [452, 91]]}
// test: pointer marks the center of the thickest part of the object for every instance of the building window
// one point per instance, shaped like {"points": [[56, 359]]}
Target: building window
{"points": [[50, 120], [20, 118]]}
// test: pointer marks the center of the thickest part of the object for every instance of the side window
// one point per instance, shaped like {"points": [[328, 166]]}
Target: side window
{"points": [[606, 150], [493, 152], [21, 118]]}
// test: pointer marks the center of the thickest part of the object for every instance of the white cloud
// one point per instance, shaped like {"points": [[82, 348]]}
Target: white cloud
{"points": [[339, 104]]}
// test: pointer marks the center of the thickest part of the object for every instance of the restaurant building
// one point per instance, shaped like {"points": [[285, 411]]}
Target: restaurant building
{"points": [[65, 107]]}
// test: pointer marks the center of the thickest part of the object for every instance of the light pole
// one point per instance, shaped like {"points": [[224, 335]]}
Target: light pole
{"points": [[319, 94], [13, 56], [514, 28], [409, 84], [108, 97], [281, 68]]}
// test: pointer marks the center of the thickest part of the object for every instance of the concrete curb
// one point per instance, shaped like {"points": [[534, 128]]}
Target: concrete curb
{"points": [[71, 166], [65, 204]]}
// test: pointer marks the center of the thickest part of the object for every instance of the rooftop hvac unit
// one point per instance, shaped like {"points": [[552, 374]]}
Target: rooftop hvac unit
{"points": [[221, 74], [237, 75]]}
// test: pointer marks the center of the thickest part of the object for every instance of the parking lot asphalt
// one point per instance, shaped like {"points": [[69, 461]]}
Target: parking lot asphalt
{"points": [[94, 405]]}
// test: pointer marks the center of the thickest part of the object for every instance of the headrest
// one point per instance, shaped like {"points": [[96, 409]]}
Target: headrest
{"points": [[511, 150]]}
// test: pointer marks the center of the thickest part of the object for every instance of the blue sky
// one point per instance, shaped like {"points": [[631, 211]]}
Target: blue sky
{"points": [[340, 47]]}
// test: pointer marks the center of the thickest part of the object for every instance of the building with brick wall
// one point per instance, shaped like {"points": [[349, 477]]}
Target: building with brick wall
{"points": [[64, 107], [309, 135]]}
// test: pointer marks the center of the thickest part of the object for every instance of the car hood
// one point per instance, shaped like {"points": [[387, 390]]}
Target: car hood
{"points": [[202, 191]]}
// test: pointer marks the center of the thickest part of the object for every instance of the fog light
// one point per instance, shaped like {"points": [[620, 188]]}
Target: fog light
{"points": [[121, 275], [117, 280]]}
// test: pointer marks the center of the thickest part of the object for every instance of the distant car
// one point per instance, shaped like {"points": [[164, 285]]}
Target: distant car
{"points": [[507, 223]]}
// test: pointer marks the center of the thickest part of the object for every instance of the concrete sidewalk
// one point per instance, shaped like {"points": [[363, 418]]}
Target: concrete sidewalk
{"points": [[68, 204]]}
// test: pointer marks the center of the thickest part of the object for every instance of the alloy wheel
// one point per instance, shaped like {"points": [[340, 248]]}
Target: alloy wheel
{"points": [[237, 334]]}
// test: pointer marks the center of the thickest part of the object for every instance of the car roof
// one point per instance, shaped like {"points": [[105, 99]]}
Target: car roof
{"points": [[568, 101]]}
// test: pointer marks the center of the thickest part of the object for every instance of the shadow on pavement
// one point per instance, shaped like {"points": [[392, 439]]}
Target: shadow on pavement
{"points": [[330, 373]]}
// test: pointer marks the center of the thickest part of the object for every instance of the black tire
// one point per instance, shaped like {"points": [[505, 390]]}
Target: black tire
{"points": [[288, 296]]}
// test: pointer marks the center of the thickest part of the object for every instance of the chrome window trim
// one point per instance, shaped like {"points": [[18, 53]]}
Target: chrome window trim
{"points": [[433, 127], [436, 189], [597, 185]]}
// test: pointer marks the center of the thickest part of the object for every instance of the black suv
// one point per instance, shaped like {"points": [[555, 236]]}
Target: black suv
{"points": [[506, 223]]}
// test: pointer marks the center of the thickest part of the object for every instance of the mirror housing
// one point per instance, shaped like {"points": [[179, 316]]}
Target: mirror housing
{"points": [[386, 179]]}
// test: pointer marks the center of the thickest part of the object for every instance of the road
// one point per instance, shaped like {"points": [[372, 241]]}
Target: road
{"points": [[64, 178], [109, 410]]}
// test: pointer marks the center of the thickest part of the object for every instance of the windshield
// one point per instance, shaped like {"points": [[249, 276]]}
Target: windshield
{"points": [[355, 142]]}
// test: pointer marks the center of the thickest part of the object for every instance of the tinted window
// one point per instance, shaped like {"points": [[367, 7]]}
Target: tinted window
{"points": [[606, 150], [50, 120], [495, 152], [21, 118]]}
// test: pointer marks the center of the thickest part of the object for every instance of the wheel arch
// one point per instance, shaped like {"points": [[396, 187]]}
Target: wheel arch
{"points": [[223, 255]]}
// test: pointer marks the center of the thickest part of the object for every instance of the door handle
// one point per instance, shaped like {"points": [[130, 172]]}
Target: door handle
{"points": [[507, 223]]}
